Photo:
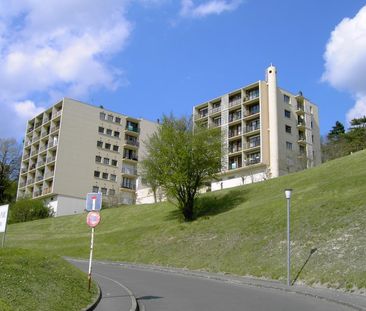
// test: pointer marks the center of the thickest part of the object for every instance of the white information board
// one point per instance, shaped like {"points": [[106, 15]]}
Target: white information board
{"points": [[3, 217]]}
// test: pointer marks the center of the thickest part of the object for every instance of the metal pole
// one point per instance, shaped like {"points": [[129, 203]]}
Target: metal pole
{"points": [[91, 252], [288, 245], [90, 258]]}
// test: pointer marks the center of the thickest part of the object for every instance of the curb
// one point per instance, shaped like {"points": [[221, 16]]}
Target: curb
{"points": [[94, 304]]}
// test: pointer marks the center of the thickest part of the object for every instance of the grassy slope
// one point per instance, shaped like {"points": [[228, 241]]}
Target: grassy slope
{"points": [[240, 231], [32, 280]]}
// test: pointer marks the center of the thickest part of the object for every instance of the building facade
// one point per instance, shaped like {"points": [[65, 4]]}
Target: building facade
{"points": [[74, 148], [267, 132]]}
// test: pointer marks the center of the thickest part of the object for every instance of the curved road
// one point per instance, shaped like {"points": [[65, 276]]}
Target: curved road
{"points": [[160, 289]]}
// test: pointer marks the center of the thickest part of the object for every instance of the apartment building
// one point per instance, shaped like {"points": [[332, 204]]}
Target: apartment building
{"points": [[267, 131], [74, 148]]}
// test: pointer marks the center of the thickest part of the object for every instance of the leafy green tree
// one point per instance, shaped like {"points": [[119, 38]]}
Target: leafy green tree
{"points": [[180, 159], [10, 156], [336, 132]]}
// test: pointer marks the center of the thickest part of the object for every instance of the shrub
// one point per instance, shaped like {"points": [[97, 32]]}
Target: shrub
{"points": [[26, 210]]}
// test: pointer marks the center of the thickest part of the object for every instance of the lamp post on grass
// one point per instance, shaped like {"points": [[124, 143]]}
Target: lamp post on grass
{"points": [[288, 198]]}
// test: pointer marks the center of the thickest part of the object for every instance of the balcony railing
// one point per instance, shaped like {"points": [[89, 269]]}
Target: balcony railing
{"points": [[234, 133], [201, 115], [27, 143], [132, 142], [30, 181], [250, 112], [51, 159], [49, 174], [38, 124], [46, 190], [234, 165], [234, 117], [42, 148], [250, 145], [251, 161], [215, 110], [52, 144], [30, 129], [300, 123], [129, 171], [54, 128], [132, 128], [24, 170], [37, 193], [22, 184], [134, 158], [235, 102], [233, 149], [46, 119], [128, 186], [32, 167], [26, 156], [39, 177], [44, 133], [252, 128], [40, 163], [56, 114], [34, 152]]}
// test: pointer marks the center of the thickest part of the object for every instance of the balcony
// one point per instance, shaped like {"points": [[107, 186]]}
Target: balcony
{"points": [[252, 145], [38, 124], [42, 148], [131, 128], [56, 114], [52, 144], [252, 161], [301, 139], [46, 119], [24, 170], [235, 148], [34, 152], [54, 128], [234, 117], [251, 95], [234, 165], [37, 193], [215, 110], [234, 102], [128, 186], [201, 115], [49, 174], [27, 143], [234, 133], [22, 184], [40, 163], [32, 167], [252, 128], [26, 156], [129, 171], [36, 137], [39, 178], [46, 191], [132, 142], [51, 159], [300, 123], [132, 158], [30, 181], [44, 133], [300, 109], [30, 129], [251, 112]]}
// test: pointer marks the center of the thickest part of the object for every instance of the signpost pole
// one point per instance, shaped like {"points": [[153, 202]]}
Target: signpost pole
{"points": [[91, 249]]}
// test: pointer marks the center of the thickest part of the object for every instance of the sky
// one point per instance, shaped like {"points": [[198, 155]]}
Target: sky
{"points": [[146, 58]]}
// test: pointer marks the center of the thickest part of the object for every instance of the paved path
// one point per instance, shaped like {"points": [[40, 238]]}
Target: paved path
{"points": [[164, 289]]}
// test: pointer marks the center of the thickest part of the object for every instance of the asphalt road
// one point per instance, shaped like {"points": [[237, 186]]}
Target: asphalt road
{"points": [[164, 290]]}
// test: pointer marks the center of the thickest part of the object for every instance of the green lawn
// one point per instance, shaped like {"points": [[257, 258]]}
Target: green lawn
{"points": [[240, 231], [34, 280]]}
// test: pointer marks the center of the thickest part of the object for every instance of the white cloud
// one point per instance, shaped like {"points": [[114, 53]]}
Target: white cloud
{"points": [[27, 109], [63, 47], [189, 9], [345, 60]]}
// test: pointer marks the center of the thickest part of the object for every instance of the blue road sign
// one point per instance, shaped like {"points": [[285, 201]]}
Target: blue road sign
{"points": [[93, 201]]}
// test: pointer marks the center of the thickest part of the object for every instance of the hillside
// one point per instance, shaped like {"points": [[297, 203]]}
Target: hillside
{"points": [[240, 231], [33, 280]]}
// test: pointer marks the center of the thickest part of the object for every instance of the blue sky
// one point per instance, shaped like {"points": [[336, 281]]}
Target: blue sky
{"points": [[149, 57]]}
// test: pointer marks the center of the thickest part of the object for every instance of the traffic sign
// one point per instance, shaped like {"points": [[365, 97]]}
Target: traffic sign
{"points": [[3, 217], [93, 201], [93, 219]]}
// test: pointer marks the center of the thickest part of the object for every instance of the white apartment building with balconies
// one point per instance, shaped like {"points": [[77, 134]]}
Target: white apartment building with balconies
{"points": [[74, 148], [267, 132]]}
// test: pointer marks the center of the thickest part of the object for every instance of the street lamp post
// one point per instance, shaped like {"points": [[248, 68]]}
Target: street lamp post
{"points": [[288, 198]]}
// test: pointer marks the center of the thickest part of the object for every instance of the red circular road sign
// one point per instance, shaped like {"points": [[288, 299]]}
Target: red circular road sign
{"points": [[93, 219]]}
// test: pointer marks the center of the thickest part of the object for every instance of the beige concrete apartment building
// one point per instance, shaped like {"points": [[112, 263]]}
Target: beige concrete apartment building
{"points": [[74, 148], [267, 132]]}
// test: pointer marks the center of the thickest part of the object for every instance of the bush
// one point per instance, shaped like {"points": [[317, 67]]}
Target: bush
{"points": [[26, 210]]}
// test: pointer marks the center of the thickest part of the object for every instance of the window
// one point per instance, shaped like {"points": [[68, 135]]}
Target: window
{"points": [[107, 146], [288, 129], [99, 144], [101, 129], [117, 120], [217, 121], [286, 99], [115, 148], [132, 126], [95, 189], [254, 141], [114, 162], [287, 114], [288, 145], [106, 161], [112, 192], [102, 116], [113, 177], [116, 134], [105, 175], [312, 138], [110, 118], [311, 110], [311, 124], [104, 191], [96, 174], [109, 132], [98, 159]]}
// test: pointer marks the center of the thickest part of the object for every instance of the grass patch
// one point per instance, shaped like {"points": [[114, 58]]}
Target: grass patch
{"points": [[32, 280], [240, 231]]}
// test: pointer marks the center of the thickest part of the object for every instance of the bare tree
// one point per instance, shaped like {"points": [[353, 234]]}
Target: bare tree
{"points": [[10, 156]]}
